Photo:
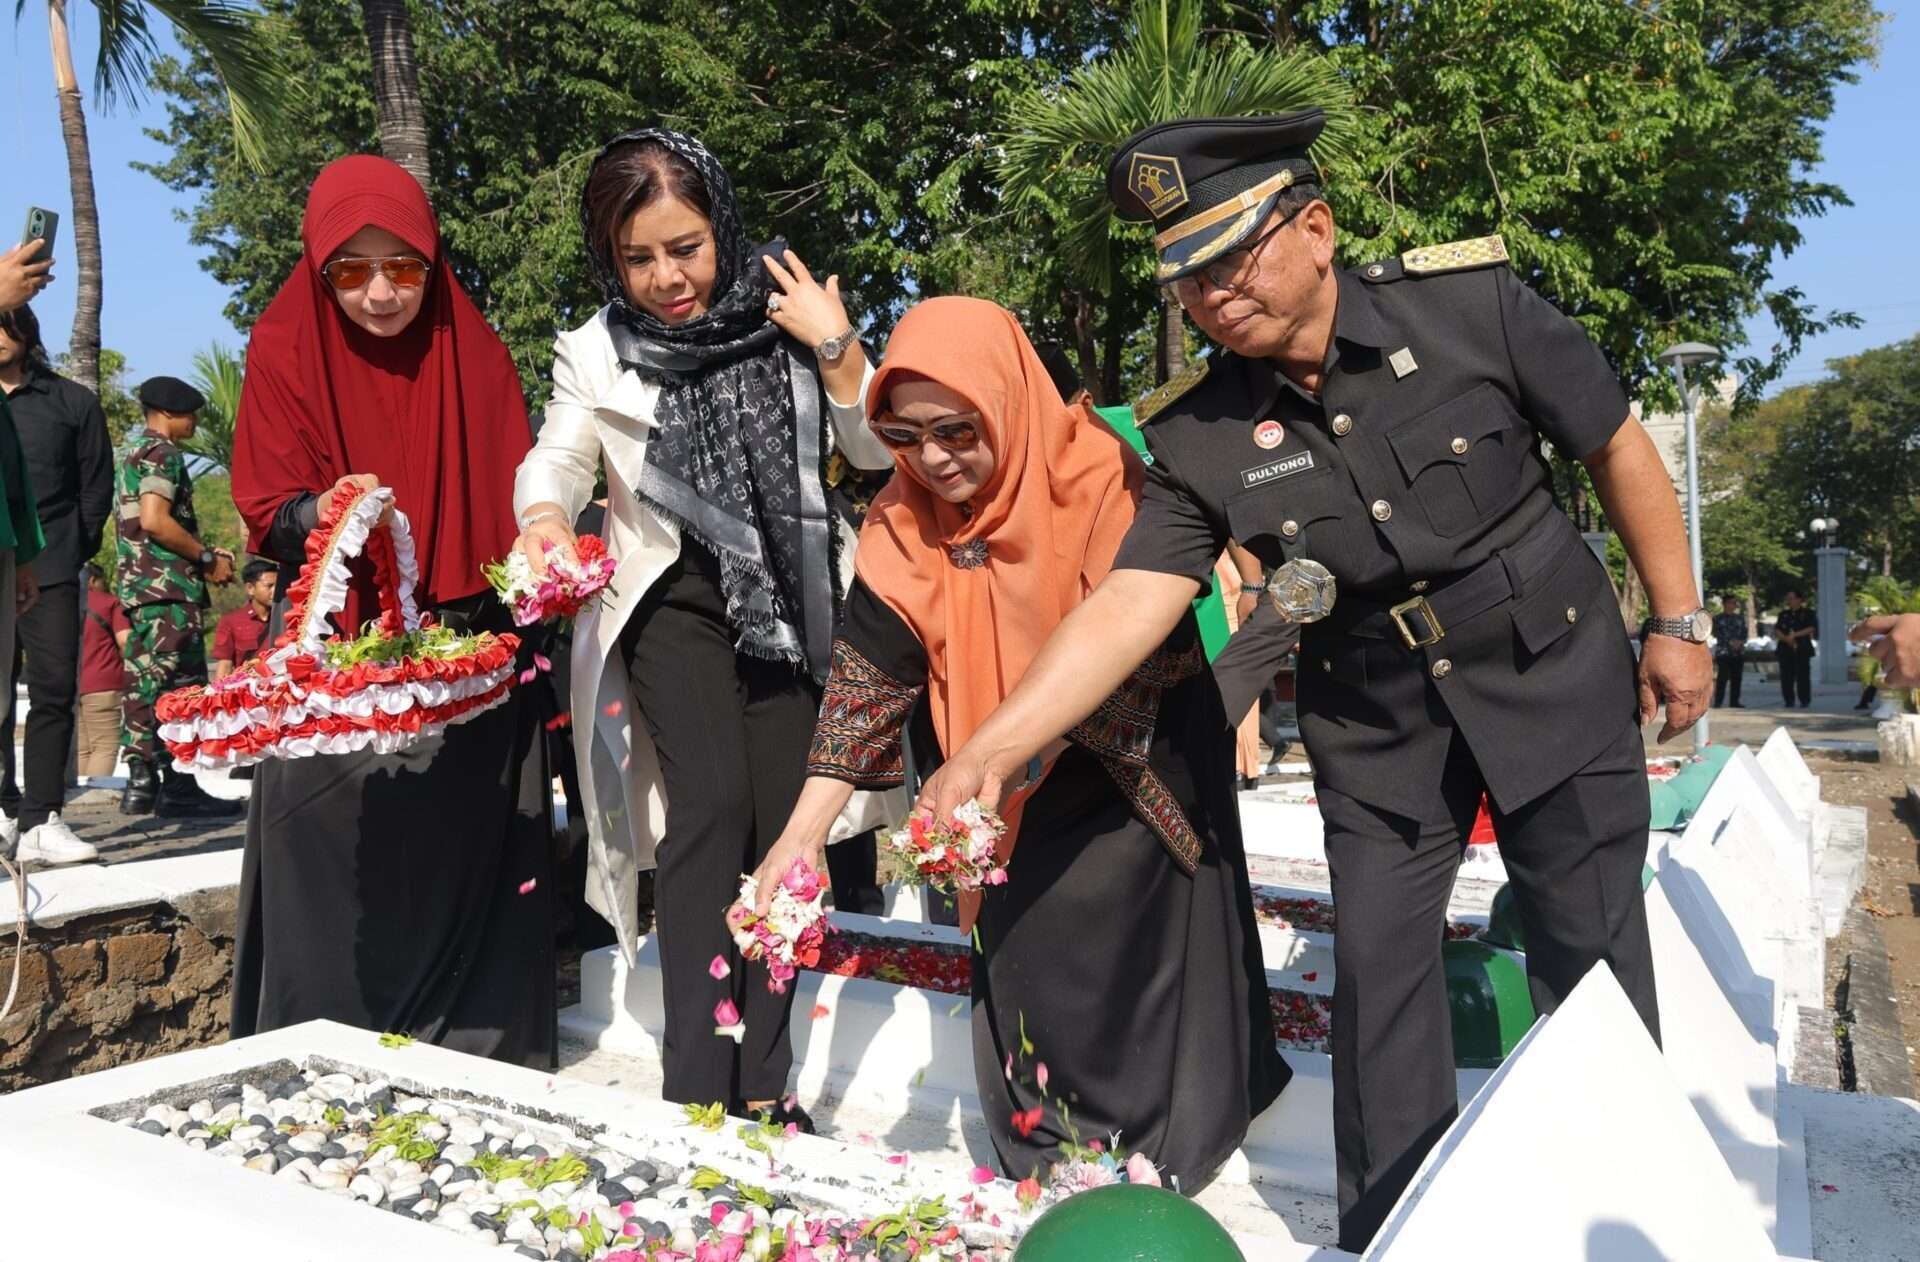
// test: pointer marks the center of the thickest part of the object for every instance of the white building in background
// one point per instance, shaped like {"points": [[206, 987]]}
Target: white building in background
{"points": [[1669, 433]]}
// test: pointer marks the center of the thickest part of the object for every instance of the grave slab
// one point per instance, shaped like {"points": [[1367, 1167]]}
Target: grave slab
{"points": [[1727, 1074], [1863, 1171], [1618, 1167], [1780, 758]]}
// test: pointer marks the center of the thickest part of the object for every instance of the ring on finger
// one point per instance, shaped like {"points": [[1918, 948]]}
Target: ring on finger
{"points": [[773, 302]]}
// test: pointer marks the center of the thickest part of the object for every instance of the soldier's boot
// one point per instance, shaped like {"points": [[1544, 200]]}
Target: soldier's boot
{"points": [[181, 797], [142, 786]]}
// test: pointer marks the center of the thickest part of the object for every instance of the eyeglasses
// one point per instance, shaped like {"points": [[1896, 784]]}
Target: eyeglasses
{"points": [[403, 270], [959, 432], [1225, 271]]}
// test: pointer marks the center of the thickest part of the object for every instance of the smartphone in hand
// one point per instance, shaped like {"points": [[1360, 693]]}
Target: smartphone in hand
{"points": [[42, 226]]}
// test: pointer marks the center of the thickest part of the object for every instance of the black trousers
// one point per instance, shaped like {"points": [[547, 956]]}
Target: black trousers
{"points": [[1726, 679], [1573, 856], [49, 637], [732, 734], [1796, 677]]}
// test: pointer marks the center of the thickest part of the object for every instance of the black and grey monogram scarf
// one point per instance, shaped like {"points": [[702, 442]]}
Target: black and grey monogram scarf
{"points": [[736, 457]]}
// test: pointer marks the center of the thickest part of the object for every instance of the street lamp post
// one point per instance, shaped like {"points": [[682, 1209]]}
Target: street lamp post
{"points": [[1680, 358], [1830, 602]]}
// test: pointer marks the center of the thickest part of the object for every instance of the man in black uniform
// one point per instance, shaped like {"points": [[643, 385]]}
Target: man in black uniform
{"points": [[1729, 652], [1383, 424]]}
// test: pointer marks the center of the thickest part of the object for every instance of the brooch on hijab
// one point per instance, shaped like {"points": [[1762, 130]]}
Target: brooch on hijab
{"points": [[968, 556]]}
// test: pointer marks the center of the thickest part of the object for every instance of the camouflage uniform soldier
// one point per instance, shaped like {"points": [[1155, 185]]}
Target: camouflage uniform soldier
{"points": [[164, 570]]}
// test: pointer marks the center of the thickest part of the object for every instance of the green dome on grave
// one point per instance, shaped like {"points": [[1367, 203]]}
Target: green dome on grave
{"points": [[1127, 1222], [1691, 782], [1667, 813], [1488, 996], [1503, 922]]}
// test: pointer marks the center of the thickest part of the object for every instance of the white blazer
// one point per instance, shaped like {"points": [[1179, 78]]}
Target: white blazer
{"points": [[601, 415]]}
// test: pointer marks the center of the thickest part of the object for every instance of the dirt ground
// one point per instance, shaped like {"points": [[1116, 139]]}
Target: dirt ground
{"points": [[1892, 889]]}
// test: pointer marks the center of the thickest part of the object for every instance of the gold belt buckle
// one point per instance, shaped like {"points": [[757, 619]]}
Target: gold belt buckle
{"points": [[1417, 605]]}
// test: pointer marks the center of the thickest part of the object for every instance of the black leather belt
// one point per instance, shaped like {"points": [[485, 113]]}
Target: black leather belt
{"points": [[1424, 619]]}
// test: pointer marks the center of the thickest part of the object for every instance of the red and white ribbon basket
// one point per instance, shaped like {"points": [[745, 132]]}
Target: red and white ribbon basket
{"points": [[303, 699]]}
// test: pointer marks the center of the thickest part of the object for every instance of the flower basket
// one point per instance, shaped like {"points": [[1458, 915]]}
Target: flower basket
{"points": [[404, 678]]}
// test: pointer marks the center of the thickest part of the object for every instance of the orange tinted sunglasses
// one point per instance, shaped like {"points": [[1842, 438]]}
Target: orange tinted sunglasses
{"points": [[958, 432], [403, 270]]}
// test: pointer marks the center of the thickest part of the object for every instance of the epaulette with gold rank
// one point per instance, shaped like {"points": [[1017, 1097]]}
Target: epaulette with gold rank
{"points": [[1454, 256], [1157, 402]]}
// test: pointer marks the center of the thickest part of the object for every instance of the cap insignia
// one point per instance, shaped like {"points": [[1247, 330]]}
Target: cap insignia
{"points": [[1157, 182]]}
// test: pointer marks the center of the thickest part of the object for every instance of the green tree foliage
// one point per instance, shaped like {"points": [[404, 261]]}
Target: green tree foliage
{"points": [[1646, 160], [218, 373]]}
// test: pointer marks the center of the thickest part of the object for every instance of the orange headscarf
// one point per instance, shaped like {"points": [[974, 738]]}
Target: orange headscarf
{"points": [[1052, 514]]}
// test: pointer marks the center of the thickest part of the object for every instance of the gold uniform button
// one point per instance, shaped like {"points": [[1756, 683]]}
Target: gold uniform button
{"points": [[1382, 510], [1459, 446], [1572, 614], [1376, 270], [1343, 425], [1289, 528], [1442, 668]]}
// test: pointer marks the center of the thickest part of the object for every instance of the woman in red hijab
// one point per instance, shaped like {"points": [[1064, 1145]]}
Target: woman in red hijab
{"points": [[384, 890], [1117, 983]]}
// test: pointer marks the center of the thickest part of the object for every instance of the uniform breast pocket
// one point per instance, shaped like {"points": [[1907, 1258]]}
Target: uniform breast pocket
{"points": [[1464, 459], [1272, 520]]}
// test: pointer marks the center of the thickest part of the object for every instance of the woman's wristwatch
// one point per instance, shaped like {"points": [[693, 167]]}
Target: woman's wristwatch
{"points": [[834, 347]]}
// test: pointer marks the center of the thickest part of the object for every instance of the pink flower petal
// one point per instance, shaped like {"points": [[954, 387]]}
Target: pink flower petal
{"points": [[1308, 977], [981, 1175], [724, 1013], [529, 885], [1040, 1074], [528, 675], [612, 709], [820, 1010], [1008, 1071], [897, 1159], [542, 662], [719, 968], [1140, 1170]]}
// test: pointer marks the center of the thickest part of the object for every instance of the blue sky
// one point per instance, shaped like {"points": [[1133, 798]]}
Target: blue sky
{"points": [[160, 307]]}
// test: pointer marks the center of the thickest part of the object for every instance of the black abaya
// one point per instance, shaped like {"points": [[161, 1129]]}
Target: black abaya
{"points": [[1138, 983], [385, 891]]}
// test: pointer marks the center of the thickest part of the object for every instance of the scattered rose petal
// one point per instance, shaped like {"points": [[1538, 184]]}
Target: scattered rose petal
{"points": [[981, 1175], [626, 1209], [792, 1129], [541, 662], [719, 1213], [1141, 1170], [529, 885], [1828, 1187], [1040, 1074], [1025, 1120], [559, 721], [897, 1159], [1310, 977], [1028, 1190], [724, 1013], [1008, 1071], [528, 675], [612, 709], [820, 1010], [719, 968]]}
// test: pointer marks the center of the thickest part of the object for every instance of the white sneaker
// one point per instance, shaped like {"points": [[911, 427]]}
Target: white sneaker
{"points": [[54, 842]]}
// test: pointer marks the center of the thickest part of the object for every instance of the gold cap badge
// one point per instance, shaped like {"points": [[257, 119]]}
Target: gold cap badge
{"points": [[1157, 182]]}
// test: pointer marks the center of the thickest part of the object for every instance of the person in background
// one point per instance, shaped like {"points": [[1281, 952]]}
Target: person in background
{"points": [[1729, 651], [103, 676], [1793, 633], [241, 633], [164, 567], [20, 537], [63, 435]]}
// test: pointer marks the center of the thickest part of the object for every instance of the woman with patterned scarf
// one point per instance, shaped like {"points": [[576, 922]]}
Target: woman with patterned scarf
{"points": [[711, 390]]}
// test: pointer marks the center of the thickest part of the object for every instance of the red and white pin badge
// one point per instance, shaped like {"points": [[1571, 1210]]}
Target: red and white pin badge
{"points": [[1268, 434]]}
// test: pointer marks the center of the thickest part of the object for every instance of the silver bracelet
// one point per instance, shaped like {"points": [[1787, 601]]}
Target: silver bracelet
{"points": [[526, 523]]}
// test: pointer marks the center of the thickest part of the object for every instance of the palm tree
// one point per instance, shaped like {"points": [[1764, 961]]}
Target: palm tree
{"points": [[218, 373], [256, 91], [396, 85], [1055, 154]]}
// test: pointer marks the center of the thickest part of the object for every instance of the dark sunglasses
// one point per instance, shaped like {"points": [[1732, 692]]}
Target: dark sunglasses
{"points": [[955, 433], [403, 270]]}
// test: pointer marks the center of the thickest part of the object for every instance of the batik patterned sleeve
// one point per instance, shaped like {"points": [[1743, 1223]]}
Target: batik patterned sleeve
{"points": [[878, 674]]}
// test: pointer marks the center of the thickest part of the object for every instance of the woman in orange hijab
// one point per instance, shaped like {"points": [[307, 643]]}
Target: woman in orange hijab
{"points": [[1123, 944]]}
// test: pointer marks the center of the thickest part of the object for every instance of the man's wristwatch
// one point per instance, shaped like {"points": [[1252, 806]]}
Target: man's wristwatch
{"points": [[1694, 628], [205, 559], [834, 347]]}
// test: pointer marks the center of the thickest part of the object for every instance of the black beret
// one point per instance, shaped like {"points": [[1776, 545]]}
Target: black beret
{"points": [[1207, 183], [170, 394]]}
